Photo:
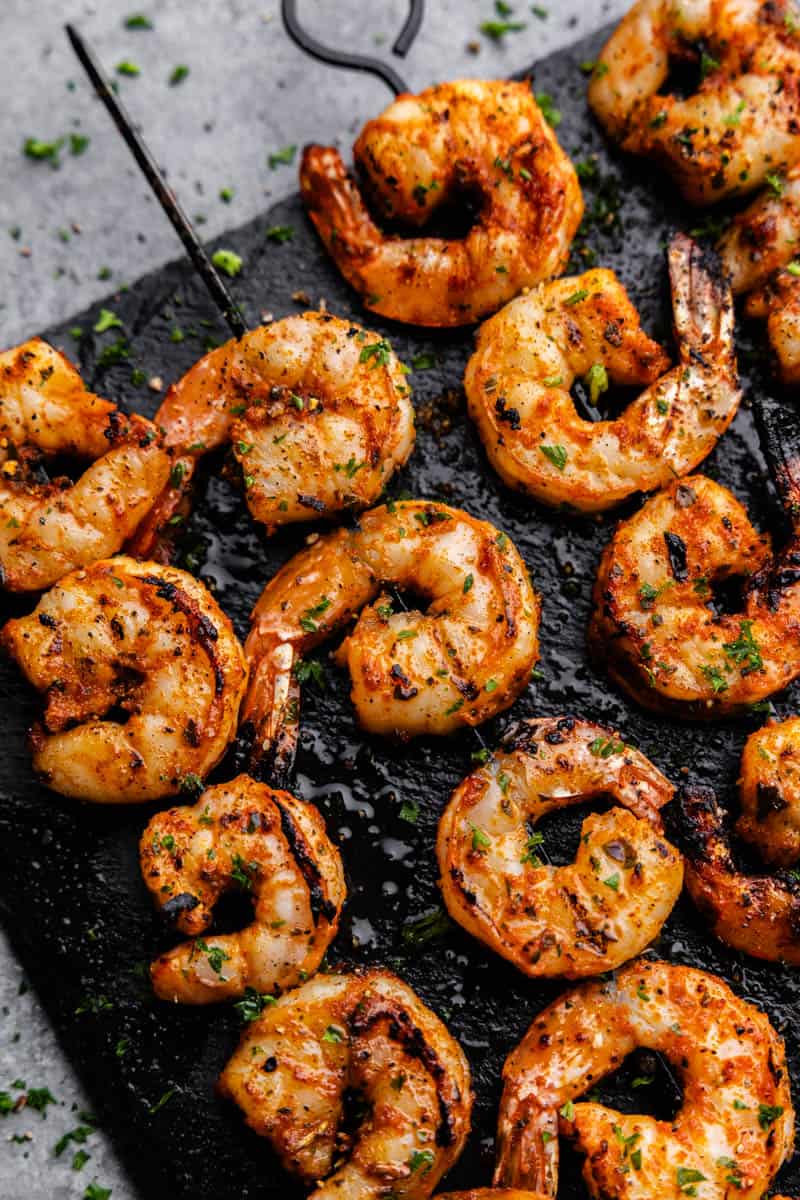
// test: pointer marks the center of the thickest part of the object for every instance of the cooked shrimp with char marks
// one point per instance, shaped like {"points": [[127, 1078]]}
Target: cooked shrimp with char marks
{"points": [[740, 125], [275, 849], [757, 914], [592, 914], [49, 528], [424, 155], [142, 676], [733, 1131], [531, 352], [317, 412], [365, 1032], [463, 659], [654, 623], [769, 790]]}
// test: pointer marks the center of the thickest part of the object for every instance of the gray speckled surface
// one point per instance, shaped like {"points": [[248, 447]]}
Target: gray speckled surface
{"points": [[249, 91]]}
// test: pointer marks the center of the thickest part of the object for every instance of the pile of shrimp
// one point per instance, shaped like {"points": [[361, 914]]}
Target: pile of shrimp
{"points": [[421, 157]]}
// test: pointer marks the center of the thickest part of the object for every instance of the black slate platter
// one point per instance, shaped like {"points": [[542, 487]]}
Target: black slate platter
{"points": [[70, 892]]}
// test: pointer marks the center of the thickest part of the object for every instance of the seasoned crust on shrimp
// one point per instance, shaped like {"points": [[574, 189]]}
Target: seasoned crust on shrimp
{"points": [[463, 658], [575, 920], [422, 154], [654, 626], [741, 122], [317, 413], [142, 677], [757, 914], [529, 354], [367, 1032], [769, 790], [736, 1117], [268, 844], [48, 529]]}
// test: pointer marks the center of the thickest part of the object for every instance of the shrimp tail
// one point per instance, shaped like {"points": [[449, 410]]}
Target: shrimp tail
{"points": [[527, 1145], [337, 210], [702, 305], [269, 724], [156, 538], [779, 429]]}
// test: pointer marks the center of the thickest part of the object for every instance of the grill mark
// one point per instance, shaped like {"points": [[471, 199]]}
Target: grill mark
{"points": [[320, 904], [201, 629], [676, 549], [403, 1030]]}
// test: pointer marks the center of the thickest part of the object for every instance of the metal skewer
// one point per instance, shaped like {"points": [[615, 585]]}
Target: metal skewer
{"points": [[356, 62], [164, 194]]}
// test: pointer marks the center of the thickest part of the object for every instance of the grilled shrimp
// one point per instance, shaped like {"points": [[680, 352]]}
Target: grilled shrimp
{"points": [[583, 918], [424, 154], [758, 914], [142, 676], [654, 624], [769, 790], [316, 410], [365, 1032], [464, 659], [758, 250], [529, 354], [735, 1127], [49, 528], [779, 303], [741, 123], [274, 848]]}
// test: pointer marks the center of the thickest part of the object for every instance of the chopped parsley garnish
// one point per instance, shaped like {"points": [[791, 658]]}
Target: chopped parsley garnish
{"points": [[308, 621], [333, 1034], [228, 261], [409, 811], [423, 362], [530, 856], [215, 954], [253, 1004], [468, 582], [106, 320], [282, 158], [379, 351], [480, 839], [242, 871], [604, 747], [178, 74], [497, 30], [309, 670], [550, 113], [686, 1177], [744, 651], [138, 21], [421, 1160], [126, 67], [596, 380], [576, 297], [557, 455], [425, 929], [715, 677], [280, 233], [768, 1114]]}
